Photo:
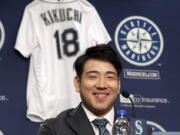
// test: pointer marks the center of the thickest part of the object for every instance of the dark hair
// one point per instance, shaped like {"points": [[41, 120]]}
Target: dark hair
{"points": [[100, 52]]}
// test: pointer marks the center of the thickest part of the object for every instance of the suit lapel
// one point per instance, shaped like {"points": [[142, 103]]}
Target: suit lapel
{"points": [[79, 122]]}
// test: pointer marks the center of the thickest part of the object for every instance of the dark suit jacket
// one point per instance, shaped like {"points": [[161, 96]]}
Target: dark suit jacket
{"points": [[70, 122]]}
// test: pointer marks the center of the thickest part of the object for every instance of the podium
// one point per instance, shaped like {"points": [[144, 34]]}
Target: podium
{"points": [[166, 133], [139, 127]]}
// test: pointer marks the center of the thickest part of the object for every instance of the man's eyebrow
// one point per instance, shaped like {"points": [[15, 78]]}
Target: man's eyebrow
{"points": [[111, 72], [108, 72], [92, 71]]}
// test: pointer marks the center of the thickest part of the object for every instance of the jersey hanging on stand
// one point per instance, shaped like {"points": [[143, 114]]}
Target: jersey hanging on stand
{"points": [[53, 33]]}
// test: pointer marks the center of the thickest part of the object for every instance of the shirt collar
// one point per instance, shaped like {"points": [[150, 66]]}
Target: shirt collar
{"points": [[109, 116], [58, 1]]}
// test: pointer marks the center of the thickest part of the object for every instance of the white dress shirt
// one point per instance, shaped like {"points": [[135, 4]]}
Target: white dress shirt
{"points": [[109, 116]]}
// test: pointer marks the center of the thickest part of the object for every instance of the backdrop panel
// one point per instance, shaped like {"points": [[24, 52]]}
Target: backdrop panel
{"points": [[144, 33]]}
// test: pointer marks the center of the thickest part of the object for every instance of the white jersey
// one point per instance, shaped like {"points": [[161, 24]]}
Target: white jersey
{"points": [[53, 33]]}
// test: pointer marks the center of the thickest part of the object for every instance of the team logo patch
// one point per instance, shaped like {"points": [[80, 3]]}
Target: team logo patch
{"points": [[139, 40], [2, 35]]}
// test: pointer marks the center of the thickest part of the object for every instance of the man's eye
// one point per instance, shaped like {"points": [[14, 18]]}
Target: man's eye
{"points": [[92, 76], [112, 77]]}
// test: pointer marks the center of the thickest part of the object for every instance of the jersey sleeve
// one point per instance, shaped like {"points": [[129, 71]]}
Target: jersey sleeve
{"points": [[98, 31], [26, 38]]}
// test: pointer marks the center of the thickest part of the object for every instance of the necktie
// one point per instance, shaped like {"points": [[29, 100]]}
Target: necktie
{"points": [[101, 125]]}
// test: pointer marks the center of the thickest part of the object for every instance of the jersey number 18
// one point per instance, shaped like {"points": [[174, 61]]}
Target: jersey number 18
{"points": [[67, 42]]}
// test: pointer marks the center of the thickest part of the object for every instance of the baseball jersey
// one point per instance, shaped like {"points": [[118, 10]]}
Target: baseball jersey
{"points": [[53, 33]]}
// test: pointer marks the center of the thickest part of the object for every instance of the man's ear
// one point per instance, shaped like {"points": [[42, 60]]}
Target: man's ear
{"points": [[119, 89], [77, 83]]}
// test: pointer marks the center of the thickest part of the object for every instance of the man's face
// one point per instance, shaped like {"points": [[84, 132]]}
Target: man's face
{"points": [[98, 86]]}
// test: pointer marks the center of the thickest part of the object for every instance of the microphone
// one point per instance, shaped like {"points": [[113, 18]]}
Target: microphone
{"points": [[127, 95], [138, 126]]}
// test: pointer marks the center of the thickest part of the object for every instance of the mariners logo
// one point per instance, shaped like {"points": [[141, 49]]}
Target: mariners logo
{"points": [[138, 40], [2, 35]]}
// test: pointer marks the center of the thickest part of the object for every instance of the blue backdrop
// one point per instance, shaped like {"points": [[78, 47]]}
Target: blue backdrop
{"points": [[146, 35]]}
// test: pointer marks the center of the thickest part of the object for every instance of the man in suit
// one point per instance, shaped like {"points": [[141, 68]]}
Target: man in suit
{"points": [[98, 83]]}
